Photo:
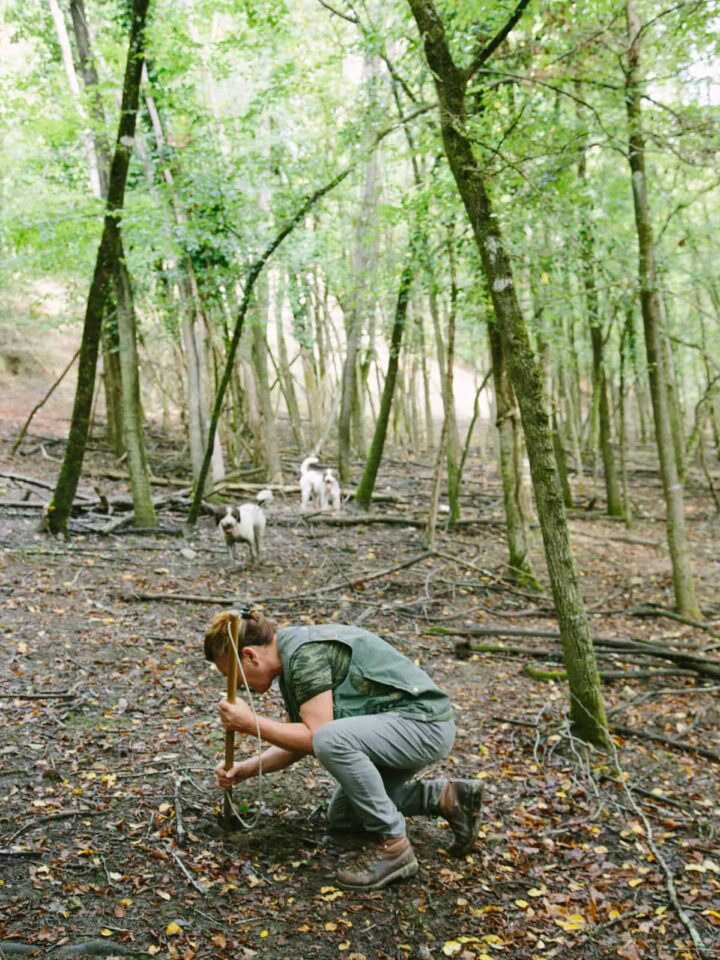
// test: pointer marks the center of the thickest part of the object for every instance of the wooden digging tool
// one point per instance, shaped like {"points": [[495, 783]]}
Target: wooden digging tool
{"points": [[229, 820]]}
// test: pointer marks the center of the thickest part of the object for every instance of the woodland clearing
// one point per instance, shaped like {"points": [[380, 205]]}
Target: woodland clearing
{"points": [[111, 731]]}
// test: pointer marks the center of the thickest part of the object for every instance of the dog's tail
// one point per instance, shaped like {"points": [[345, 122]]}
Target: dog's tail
{"points": [[264, 496], [307, 463]]}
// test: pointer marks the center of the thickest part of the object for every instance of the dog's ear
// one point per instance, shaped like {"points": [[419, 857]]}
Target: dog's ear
{"points": [[219, 512]]}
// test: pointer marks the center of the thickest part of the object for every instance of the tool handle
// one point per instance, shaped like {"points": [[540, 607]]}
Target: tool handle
{"points": [[233, 654]]}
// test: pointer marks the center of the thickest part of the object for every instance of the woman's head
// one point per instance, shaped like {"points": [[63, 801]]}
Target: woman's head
{"points": [[256, 647]]}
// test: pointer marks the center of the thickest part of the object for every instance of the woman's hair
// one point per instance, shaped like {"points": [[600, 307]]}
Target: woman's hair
{"points": [[255, 631]]}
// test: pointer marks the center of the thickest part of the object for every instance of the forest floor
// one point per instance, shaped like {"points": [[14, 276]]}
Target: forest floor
{"points": [[110, 731]]}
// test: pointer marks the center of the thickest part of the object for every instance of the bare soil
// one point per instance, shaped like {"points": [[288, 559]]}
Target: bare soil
{"points": [[110, 731]]}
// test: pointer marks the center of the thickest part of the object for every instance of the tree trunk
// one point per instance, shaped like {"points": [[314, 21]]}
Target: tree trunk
{"points": [[64, 44], [61, 503], [98, 153], [366, 486], [623, 438], [123, 337], [650, 303], [427, 397], [613, 496], [446, 362], [453, 437], [260, 367], [586, 705], [362, 260], [287, 382], [516, 497], [193, 325], [86, 62], [143, 509], [111, 377]]}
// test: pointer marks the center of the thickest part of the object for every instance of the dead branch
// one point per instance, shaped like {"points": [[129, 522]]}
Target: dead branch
{"points": [[650, 610], [659, 651], [351, 581], [667, 741]]}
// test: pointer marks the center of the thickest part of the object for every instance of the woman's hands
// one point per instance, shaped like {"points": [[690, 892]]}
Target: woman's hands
{"points": [[237, 716], [242, 770]]}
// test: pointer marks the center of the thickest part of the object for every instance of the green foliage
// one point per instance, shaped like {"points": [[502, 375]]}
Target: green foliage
{"points": [[255, 122]]}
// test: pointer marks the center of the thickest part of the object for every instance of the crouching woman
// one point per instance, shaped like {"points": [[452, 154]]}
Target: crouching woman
{"points": [[371, 717]]}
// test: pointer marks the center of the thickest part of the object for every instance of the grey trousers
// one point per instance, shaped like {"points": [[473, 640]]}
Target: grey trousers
{"points": [[373, 759]]}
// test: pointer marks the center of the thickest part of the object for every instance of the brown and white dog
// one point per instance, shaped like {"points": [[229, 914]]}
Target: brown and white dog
{"points": [[245, 523], [330, 498], [311, 484]]}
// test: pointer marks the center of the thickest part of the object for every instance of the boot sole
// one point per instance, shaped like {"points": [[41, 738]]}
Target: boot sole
{"points": [[475, 808], [402, 873]]}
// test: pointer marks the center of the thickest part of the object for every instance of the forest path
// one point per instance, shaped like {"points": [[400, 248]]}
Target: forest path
{"points": [[90, 778]]}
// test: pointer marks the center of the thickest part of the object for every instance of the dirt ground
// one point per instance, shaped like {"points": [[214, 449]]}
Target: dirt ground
{"points": [[110, 735]]}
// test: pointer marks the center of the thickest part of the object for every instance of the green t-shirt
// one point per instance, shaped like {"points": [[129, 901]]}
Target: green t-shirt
{"points": [[319, 666]]}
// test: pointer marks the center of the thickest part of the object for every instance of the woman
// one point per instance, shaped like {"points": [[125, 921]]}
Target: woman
{"points": [[371, 717]]}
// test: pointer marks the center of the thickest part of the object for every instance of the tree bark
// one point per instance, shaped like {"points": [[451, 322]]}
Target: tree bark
{"points": [[98, 156], [287, 382], [143, 509], [260, 367], [61, 503], [683, 583], [586, 704], [364, 493], [516, 498], [193, 322], [362, 259]]}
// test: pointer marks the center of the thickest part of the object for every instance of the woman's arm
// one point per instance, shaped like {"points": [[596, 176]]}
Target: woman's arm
{"points": [[295, 738], [273, 759]]}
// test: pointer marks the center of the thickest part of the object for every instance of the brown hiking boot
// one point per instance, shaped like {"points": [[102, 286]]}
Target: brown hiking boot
{"points": [[390, 859], [460, 804]]}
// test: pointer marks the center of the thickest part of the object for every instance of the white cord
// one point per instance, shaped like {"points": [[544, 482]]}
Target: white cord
{"points": [[248, 824]]}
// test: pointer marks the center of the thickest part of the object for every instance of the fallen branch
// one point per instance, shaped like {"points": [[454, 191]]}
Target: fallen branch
{"points": [[690, 661], [486, 573], [68, 695], [666, 741], [393, 520], [653, 611], [179, 825], [350, 582]]}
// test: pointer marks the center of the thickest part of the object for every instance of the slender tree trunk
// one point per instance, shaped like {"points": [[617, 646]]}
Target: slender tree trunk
{"points": [[111, 377], [88, 70], [143, 509], [677, 427], [61, 503], [122, 335], [600, 393], [98, 155], [650, 302], [363, 257], [260, 368], [65, 49], [623, 438], [193, 323], [427, 397], [516, 497], [586, 705], [453, 436], [366, 486], [436, 485], [287, 381], [445, 353]]}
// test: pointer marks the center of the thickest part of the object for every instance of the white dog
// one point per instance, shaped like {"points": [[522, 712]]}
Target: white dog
{"points": [[246, 522], [330, 492], [311, 484]]}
